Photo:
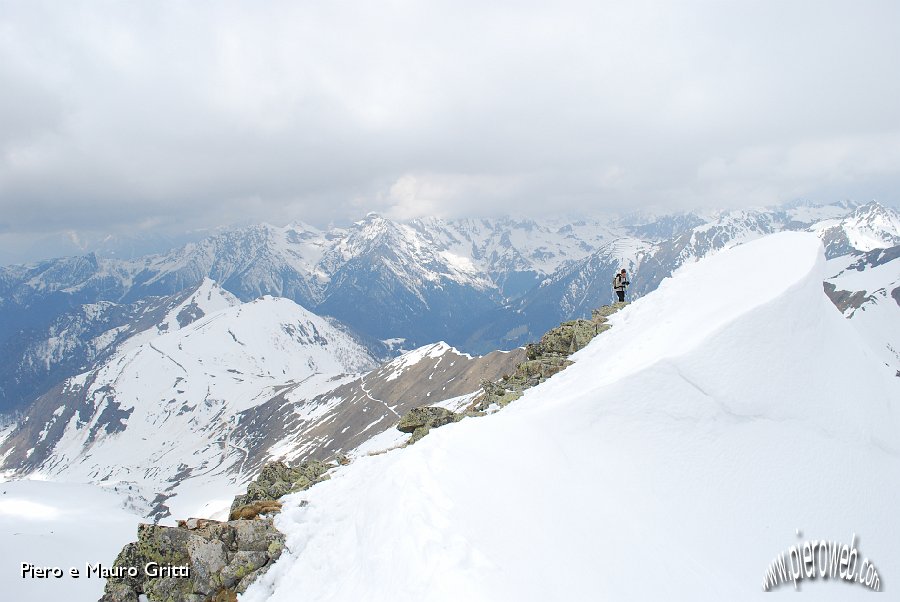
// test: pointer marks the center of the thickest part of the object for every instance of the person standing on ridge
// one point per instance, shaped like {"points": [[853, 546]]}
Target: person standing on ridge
{"points": [[619, 284]]}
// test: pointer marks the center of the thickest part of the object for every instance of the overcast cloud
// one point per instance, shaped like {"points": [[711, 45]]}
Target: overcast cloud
{"points": [[142, 115]]}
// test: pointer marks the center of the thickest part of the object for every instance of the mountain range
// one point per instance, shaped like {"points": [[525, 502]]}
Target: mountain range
{"points": [[479, 285]]}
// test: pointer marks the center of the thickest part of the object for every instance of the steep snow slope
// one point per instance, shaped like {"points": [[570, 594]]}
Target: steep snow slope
{"points": [[208, 298], [674, 460]]}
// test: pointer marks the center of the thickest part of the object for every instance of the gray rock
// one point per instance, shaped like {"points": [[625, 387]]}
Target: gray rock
{"points": [[277, 479], [222, 559], [426, 417]]}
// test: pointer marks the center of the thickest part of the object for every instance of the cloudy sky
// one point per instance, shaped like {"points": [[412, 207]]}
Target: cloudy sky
{"points": [[152, 115]]}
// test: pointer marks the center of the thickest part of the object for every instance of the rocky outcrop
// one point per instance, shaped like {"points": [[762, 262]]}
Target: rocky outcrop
{"points": [[213, 561], [419, 421], [275, 480], [204, 560], [543, 359], [846, 300]]}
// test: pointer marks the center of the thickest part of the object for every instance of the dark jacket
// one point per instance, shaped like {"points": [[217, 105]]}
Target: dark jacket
{"points": [[620, 282]]}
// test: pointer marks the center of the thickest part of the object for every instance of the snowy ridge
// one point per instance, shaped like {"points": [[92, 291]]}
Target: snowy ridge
{"points": [[765, 392], [400, 364], [340, 421]]}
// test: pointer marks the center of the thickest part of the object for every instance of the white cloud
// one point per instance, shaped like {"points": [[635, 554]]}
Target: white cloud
{"points": [[195, 114]]}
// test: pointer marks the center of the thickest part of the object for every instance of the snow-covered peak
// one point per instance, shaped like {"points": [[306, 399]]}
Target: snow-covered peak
{"points": [[808, 212], [270, 336], [208, 298], [396, 367], [873, 226], [868, 227]]}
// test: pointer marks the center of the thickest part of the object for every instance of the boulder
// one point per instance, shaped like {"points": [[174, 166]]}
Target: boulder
{"points": [[215, 561], [274, 481], [426, 417], [419, 421]]}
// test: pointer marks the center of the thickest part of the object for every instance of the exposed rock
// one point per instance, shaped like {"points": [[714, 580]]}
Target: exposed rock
{"points": [[846, 300], [195, 523], [604, 311], [564, 340], [497, 393], [274, 481], [212, 561], [542, 360], [425, 416], [255, 509], [545, 358], [419, 421]]}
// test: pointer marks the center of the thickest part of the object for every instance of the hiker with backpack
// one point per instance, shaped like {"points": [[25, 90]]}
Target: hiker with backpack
{"points": [[619, 283]]}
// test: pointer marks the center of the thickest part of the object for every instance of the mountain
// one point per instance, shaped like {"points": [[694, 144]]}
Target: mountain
{"points": [[422, 281], [577, 287], [171, 404], [82, 336], [714, 426], [478, 284], [871, 226], [158, 412], [338, 421], [572, 291], [178, 412], [390, 277]]}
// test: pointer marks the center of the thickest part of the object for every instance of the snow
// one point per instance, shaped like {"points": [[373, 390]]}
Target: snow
{"points": [[380, 443], [183, 391], [679, 454], [59, 525], [878, 318], [458, 403], [398, 365], [208, 298], [496, 245], [869, 227]]}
